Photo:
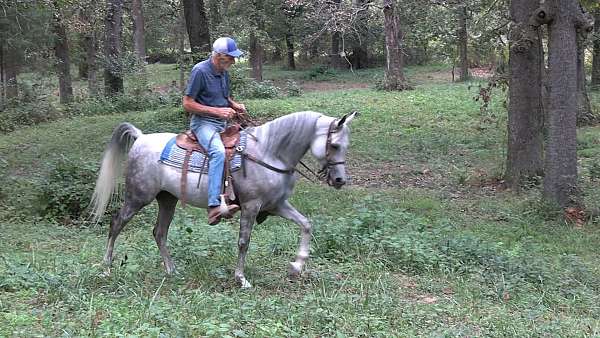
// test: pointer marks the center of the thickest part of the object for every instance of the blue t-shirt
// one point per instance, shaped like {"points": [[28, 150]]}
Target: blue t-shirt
{"points": [[208, 87]]}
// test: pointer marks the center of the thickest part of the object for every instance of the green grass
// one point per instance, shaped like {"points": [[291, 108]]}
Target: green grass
{"points": [[428, 248]]}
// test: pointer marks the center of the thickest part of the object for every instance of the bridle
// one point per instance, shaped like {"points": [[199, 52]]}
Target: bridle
{"points": [[322, 174]]}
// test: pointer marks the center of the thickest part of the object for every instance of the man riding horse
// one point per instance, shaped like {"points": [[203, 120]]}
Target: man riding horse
{"points": [[208, 98]]}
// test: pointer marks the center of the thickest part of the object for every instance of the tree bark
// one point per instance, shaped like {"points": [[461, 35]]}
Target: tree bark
{"points": [[289, 42], [197, 26], [560, 167], [181, 30], [314, 49], [214, 12], [584, 107], [137, 14], [63, 61], [596, 53], [525, 110], [334, 55], [335, 59], [113, 77], [394, 73], [11, 70], [82, 65], [2, 82], [256, 57], [90, 58], [463, 43], [360, 55], [277, 54]]}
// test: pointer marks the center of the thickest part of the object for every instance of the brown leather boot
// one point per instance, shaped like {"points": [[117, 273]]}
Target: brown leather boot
{"points": [[214, 214]]}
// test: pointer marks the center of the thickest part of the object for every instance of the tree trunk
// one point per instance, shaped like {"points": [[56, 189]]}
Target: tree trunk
{"points": [[90, 59], [277, 54], [2, 82], [289, 42], [137, 14], [334, 55], [585, 115], [214, 12], [314, 49], [360, 56], [63, 61], [256, 57], [113, 77], [463, 43], [560, 181], [82, 65], [394, 73], [525, 111], [197, 26], [596, 60], [181, 30], [11, 70]]}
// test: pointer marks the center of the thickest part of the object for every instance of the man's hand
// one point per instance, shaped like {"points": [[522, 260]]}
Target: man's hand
{"points": [[225, 113], [238, 107]]}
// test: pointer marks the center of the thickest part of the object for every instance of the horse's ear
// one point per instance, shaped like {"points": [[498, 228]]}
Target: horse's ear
{"points": [[342, 121], [347, 118]]}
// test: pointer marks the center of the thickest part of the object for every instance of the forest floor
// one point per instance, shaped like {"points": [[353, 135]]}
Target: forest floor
{"points": [[423, 241]]}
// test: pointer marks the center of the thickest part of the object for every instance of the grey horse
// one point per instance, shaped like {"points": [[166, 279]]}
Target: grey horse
{"points": [[263, 191]]}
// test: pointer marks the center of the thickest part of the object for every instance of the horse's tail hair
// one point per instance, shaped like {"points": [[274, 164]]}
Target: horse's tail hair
{"points": [[112, 168]]}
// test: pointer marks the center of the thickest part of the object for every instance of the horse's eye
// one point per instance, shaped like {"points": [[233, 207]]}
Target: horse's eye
{"points": [[335, 146]]}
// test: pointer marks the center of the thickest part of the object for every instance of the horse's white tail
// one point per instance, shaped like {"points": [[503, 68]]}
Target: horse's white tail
{"points": [[112, 167]]}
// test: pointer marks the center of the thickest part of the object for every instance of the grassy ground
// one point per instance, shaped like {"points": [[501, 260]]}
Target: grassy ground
{"points": [[423, 242]]}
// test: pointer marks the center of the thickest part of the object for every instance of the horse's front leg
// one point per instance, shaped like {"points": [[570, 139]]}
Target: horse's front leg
{"points": [[247, 219], [287, 211]]}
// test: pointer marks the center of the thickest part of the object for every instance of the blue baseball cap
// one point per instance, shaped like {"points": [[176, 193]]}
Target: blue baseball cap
{"points": [[227, 46]]}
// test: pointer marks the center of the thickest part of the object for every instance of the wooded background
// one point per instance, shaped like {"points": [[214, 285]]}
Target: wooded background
{"points": [[550, 48]]}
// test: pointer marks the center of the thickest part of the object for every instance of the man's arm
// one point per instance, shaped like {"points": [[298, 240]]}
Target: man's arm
{"points": [[236, 106], [191, 106]]}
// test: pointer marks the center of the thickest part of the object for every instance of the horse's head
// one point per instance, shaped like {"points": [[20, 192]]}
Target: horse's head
{"points": [[330, 146]]}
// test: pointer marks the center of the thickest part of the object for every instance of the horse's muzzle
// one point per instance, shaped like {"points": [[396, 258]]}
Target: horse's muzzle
{"points": [[337, 183]]}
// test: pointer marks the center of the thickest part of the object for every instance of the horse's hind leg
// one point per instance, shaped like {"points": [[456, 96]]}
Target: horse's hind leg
{"points": [[166, 210], [125, 214]]}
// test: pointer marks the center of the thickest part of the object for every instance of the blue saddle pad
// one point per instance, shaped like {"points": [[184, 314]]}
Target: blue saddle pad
{"points": [[173, 155]]}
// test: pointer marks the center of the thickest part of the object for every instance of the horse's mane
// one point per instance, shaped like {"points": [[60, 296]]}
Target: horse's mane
{"points": [[289, 135]]}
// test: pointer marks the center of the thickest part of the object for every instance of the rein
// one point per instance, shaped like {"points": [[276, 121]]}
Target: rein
{"points": [[321, 174]]}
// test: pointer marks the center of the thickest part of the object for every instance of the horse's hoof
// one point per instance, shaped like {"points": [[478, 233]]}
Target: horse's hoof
{"points": [[170, 269], [294, 271], [244, 284], [105, 273]]}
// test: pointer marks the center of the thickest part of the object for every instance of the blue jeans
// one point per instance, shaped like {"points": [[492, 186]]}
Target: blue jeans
{"points": [[207, 133]]}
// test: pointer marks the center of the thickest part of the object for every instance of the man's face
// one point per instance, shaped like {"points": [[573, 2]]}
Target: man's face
{"points": [[224, 61]]}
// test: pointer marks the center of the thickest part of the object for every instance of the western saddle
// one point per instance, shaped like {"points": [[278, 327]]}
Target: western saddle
{"points": [[188, 141]]}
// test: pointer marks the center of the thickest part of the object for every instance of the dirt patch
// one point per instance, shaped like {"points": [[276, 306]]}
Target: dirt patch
{"points": [[482, 72], [314, 86], [442, 76], [395, 175]]}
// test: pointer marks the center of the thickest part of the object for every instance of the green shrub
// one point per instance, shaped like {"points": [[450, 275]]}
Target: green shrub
{"points": [[21, 114], [292, 88], [321, 73], [247, 88], [68, 190], [259, 90]]}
